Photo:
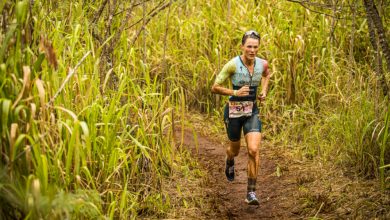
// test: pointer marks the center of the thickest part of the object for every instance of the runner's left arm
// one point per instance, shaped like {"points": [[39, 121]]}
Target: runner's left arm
{"points": [[264, 82]]}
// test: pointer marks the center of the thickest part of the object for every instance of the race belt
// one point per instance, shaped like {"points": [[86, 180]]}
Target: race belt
{"points": [[240, 108]]}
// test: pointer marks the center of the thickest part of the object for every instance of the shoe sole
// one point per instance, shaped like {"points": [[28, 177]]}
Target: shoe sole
{"points": [[253, 202]]}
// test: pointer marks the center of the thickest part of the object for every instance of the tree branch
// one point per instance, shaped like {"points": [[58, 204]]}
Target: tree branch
{"points": [[308, 4], [130, 8], [141, 19], [115, 39], [95, 19], [302, 3], [99, 12], [148, 20]]}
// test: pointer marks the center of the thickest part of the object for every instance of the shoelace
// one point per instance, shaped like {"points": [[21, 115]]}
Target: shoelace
{"points": [[252, 195], [231, 169]]}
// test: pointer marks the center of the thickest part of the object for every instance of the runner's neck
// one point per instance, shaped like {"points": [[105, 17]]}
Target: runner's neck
{"points": [[248, 63]]}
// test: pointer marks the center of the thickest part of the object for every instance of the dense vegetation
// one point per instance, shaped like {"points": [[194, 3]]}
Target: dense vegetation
{"points": [[91, 93]]}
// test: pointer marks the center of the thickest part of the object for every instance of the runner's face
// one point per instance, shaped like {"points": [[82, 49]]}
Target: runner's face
{"points": [[250, 48]]}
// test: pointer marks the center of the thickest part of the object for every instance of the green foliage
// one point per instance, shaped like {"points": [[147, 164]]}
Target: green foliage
{"points": [[101, 154], [103, 146], [322, 100]]}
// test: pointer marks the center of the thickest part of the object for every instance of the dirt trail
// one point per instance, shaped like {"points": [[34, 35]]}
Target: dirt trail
{"points": [[275, 184], [290, 183]]}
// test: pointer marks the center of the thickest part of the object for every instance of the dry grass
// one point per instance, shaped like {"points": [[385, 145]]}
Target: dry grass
{"points": [[103, 125]]}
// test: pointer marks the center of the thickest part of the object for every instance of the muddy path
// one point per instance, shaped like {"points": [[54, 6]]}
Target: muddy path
{"points": [[275, 184]]}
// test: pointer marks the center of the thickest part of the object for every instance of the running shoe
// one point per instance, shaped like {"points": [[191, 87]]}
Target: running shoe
{"points": [[229, 170], [251, 199]]}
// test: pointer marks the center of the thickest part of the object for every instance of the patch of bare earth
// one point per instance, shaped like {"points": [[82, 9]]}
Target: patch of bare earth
{"points": [[226, 200], [288, 187]]}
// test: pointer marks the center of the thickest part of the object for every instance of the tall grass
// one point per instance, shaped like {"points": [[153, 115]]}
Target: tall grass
{"points": [[104, 147], [100, 154], [321, 101]]}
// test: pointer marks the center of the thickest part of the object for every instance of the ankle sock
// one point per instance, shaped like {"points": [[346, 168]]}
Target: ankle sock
{"points": [[230, 162], [251, 185]]}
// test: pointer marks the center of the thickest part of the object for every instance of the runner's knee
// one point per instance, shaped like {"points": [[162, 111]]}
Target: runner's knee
{"points": [[235, 147], [253, 151], [235, 152]]}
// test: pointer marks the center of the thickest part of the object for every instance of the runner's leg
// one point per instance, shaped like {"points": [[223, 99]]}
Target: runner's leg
{"points": [[233, 149], [253, 140], [233, 129]]}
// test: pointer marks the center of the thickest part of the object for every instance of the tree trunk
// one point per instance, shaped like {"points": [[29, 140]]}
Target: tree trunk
{"points": [[353, 31], [372, 11], [374, 42], [375, 27], [165, 71], [143, 33]]}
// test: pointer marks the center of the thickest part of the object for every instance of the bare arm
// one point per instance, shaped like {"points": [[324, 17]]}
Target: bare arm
{"points": [[225, 73], [218, 89], [264, 82]]}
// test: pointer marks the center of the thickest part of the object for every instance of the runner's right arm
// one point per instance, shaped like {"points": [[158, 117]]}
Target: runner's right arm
{"points": [[225, 73]]}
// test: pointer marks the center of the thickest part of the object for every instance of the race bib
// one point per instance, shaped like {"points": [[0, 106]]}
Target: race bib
{"points": [[239, 109]]}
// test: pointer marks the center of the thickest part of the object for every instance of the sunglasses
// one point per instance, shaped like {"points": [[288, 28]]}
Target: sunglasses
{"points": [[252, 33]]}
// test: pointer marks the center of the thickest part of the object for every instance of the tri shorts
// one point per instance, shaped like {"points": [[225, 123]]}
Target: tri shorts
{"points": [[247, 124]]}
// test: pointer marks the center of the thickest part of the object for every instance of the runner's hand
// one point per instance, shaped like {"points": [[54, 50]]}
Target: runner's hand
{"points": [[261, 97], [243, 91]]}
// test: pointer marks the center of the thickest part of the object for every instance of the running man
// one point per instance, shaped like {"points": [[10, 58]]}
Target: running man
{"points": [[246, 72]]}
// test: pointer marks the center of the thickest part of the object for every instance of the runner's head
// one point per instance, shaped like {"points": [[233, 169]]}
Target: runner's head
{"points": [[250, 45], [250, 34]]}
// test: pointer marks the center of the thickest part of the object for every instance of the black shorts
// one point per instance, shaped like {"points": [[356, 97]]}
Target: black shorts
{"points": [[235, 125]]}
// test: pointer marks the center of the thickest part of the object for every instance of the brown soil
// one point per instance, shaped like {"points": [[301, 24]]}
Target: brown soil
{"points": [[275, 187], [288, 187]]}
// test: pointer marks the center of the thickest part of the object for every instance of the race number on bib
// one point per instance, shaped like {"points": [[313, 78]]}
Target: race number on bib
{"points": [[239, 109]]}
